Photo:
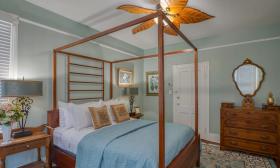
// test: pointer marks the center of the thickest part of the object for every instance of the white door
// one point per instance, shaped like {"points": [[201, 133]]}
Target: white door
{"points": [[183, 96]]}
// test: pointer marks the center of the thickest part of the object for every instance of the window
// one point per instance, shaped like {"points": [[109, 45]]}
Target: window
{"points": [[8, 47]]}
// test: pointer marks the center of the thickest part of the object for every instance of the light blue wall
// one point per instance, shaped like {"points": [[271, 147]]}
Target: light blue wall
{"points": [[137, 68], [222, 61]]}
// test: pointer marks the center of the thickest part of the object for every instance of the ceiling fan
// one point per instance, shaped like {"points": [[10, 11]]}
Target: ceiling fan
{"points": [[176, 10]]}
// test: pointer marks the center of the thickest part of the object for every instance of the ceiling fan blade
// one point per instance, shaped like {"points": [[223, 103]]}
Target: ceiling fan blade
{"points": [[136, 9], [169, 30], [191, 15], [143, 26], [173, 6]]}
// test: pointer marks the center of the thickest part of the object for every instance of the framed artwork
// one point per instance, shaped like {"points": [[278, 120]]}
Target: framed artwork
{"points": [[152, 87], [125, 77], [137, 110]]}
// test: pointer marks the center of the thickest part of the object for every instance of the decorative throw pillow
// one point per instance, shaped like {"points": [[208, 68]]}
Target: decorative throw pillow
{"points": [[99, 116], [120, 112], [108, 103]]}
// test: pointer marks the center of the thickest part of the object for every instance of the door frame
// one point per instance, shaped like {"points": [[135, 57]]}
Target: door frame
{"points": [[204, 117]]}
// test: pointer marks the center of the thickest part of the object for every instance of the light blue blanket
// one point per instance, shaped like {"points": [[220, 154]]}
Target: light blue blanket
{"points": [[131, 144]]}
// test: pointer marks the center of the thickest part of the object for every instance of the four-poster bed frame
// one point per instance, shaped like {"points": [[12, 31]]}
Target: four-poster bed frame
{"points": [[190, 154]]}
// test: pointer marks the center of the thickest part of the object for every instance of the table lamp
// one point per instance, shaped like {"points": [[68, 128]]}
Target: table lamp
{"points": [[131, 92], [22, 90]]}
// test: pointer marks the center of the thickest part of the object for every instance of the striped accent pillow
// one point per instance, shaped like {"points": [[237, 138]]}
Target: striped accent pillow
{"points": [[99, 116], [120, 112]]}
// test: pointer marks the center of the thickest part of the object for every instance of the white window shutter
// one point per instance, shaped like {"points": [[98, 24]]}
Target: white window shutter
{"points": [[5, 51]]}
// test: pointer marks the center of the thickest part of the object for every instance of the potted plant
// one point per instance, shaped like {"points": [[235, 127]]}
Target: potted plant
{"points": [[9, 114]]}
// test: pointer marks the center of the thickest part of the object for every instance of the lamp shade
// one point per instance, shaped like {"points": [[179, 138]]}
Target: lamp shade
{"points": [[18, 88], [132, 91]]}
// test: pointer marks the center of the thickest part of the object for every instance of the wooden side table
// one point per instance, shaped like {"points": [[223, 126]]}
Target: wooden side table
{"points": [[136, 115], [36, 140]]}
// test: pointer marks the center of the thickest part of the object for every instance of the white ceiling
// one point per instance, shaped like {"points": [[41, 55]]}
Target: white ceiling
{"points": [[230, 16]]}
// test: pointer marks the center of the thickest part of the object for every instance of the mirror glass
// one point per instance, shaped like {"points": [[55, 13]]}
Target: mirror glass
{"points": [[248, 78]]}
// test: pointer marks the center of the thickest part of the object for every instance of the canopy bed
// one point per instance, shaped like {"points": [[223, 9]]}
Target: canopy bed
{"points": [[186, 156]]}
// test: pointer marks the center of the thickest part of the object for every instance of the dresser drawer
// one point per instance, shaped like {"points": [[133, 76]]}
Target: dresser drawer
{"points": [[265, 116], [265, 137], [251, 146], [251, 124], [25, 146]]}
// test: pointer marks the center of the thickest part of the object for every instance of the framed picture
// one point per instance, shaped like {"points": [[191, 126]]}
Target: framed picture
{"points": [[125, 77], [137, 110], [152, 87]]}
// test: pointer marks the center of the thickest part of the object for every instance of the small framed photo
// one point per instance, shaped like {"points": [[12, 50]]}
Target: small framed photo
{"points": [[152, 87], [137, 110], [125, 77]]}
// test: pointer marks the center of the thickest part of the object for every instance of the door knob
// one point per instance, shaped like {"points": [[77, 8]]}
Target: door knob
{"points": [[178, 104], [178, 97]]}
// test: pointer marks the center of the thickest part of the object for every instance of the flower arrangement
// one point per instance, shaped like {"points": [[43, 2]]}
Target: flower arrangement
{"points": [[10, 113]]}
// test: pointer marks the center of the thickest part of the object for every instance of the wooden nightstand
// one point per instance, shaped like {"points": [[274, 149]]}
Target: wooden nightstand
{"points": [[136, 115], [36, 140]]}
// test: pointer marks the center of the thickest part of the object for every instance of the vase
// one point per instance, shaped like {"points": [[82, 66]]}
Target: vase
{"points": [[270, 99], [6, 133]]}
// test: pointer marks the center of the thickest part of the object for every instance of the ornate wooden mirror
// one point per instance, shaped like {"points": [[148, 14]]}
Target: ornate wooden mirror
{"points": [[248, 78]]}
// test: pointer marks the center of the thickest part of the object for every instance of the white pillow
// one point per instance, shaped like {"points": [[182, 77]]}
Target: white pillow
{"points": [[61, 115], [65, 115], [81, 115]]}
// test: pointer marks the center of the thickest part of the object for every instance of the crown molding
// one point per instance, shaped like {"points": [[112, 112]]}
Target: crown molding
{"points": [[73, 35]]}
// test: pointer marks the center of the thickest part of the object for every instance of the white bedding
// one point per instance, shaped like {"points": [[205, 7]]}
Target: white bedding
{"points": [[68, 139]]}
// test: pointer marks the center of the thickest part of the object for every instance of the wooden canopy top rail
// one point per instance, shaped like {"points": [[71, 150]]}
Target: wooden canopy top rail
{"points": [[161, 17]]}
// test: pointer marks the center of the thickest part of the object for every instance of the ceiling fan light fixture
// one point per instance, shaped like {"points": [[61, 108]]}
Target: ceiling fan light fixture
{"points": [[164, 5], [176, 11]]}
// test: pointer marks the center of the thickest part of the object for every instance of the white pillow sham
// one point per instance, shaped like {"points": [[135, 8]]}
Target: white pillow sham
{"points": [[81, 114], [65, 115]]}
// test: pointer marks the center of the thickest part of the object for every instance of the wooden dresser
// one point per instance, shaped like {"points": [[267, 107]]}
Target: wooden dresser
{"points": [[255, 131]]}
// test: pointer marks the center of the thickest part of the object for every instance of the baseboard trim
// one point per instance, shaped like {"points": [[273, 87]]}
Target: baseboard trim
{"points": [[212, 137]]}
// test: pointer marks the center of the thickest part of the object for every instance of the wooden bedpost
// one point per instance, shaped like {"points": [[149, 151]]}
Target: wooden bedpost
{"points": [[161, 92], [111, 80], [54, 81], [196, 89]]}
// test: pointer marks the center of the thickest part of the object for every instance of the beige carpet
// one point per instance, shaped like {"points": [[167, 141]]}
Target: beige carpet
{"points": [[213, 157]]}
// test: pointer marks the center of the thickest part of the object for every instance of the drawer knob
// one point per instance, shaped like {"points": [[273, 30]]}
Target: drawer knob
{"points": [[233, 143], [265, 126], [27, 146]]}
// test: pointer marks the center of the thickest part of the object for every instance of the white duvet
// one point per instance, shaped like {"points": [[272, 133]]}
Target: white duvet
{"points": [[68, 139]]}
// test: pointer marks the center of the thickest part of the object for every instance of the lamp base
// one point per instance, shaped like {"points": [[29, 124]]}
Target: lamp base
{"points": [[21, 133]]}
